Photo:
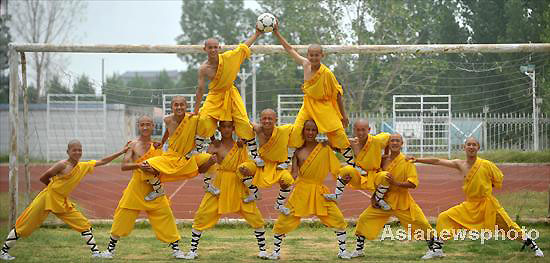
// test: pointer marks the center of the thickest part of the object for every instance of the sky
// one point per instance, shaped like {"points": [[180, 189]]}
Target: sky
{"points": [[127, 22]]}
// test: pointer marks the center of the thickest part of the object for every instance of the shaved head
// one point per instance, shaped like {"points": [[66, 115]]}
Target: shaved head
{"points": [[145, 118], [310, 122], [361, 123], [268, 111], [471, 139], [212, 41], [73, 143], [178, 98], [315, 47], [396, 136]]}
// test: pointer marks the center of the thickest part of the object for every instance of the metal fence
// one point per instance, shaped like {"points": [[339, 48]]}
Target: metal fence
{"points": [[495, 131]]}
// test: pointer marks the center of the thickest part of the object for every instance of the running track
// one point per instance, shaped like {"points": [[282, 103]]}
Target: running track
{"points": [[439, 189]]}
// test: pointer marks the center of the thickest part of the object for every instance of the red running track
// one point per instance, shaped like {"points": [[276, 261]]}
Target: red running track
{"points": [[439, 189]]}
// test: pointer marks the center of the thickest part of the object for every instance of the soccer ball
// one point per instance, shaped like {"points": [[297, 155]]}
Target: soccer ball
{"points": [[266, 22]]}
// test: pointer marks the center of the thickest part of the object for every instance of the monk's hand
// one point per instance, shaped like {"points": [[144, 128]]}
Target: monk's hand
{"points": [[258, 31], [276, 26], [241, 142], [213, 158], [345, 121], [157, 145], [147, 168], [390, 179], [126, 147]]}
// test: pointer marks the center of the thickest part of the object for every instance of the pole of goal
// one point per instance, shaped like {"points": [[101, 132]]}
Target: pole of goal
{"points": [[26, 129], [14, 122]]}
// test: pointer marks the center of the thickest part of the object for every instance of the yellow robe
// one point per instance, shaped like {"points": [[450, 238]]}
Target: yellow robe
{"points": [[60, 186], [132, 202], [137, 189], [481, 208], [307, 197], [320, 104], [55, 198], [370, 158], [232, 193], [372, 220], [273, 152], [223, 102], [172, 164]]}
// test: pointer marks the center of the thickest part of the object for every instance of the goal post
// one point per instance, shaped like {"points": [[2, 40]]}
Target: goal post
{"points": [[18, 49]]}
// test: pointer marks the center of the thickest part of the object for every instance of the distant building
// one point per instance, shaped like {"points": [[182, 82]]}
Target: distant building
{"points": [[149, 76]]}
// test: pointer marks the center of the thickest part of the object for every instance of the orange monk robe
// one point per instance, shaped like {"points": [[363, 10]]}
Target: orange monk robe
{"points": [[55, 199], [273, 152], [307, 197], [172, 164], [132, 203], [223, 102], [137, 189], [372, 220], [370, 158], [481, 210], [232, 193], [321, 105]]}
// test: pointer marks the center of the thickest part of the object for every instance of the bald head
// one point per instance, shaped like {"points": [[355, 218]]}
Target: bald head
{"points": [[396, 136], [268, 111], [310, 123], [211, 42], [179, 99], [364, 123], [145, 118], [314, 48], [73, 143], [471, 139]]}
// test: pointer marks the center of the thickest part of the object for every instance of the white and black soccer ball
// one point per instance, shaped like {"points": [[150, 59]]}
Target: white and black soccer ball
{"points": [[266, 22]]}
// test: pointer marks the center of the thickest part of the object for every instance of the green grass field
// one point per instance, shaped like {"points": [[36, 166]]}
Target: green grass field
{"points": [[236, 243], [311, 242]]}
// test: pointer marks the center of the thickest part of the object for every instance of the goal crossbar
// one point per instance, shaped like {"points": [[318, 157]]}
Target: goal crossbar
{"points": [[274, 49]]}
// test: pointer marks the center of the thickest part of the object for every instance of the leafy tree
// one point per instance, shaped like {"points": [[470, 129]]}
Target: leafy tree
{"points": [[83, 85], [54, 86], [5, 38], [226, 20]]}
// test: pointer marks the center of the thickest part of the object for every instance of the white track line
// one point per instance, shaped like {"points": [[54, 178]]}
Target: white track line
{"points": [[177, 190], [364, 193]]}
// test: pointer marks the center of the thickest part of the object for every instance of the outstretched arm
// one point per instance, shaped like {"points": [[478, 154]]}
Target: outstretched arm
{"points": [[113, 156], [437, 161], [293, 53], [51, 172], [253, 38], [127, 163]]}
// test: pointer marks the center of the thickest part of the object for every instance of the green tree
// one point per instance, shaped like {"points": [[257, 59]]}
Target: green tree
{"points": [[141, 93], [226, 20], [115, 90], [5, 38], [83, 85], [54, 86]]}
